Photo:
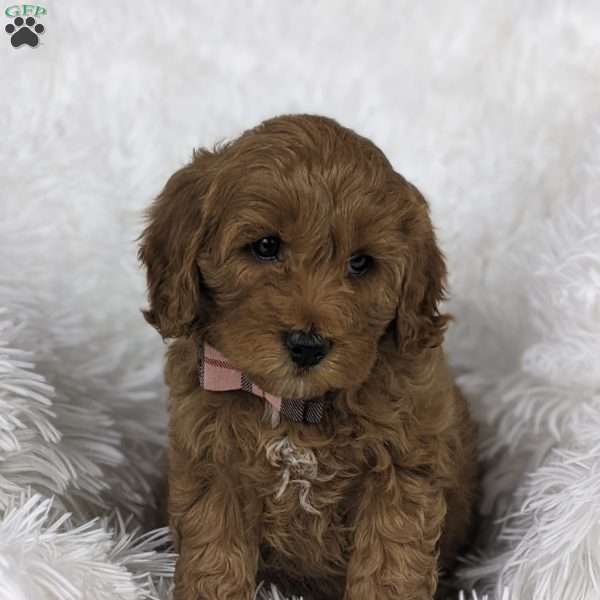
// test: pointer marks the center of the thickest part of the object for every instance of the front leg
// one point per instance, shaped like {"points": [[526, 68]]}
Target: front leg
{"points": [[395, 550], [215, 532]]}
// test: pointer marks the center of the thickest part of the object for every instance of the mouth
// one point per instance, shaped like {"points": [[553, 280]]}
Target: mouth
{"points": [[303, 372], [298, 383]]}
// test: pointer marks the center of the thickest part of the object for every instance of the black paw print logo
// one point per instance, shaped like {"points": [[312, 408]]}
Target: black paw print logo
{"points": [[24, 32]]}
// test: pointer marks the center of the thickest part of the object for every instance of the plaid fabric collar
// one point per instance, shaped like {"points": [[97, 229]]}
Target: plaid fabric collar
{"points": [[216, 374]]}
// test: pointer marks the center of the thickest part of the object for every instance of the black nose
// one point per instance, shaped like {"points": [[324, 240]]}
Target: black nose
{"points": [[306, 349]]}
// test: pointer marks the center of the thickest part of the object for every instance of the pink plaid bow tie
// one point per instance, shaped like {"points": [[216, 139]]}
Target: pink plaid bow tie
{"points": [[216, 374]]}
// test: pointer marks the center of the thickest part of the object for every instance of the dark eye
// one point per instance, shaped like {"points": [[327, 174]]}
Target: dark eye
{"points": [[266, 248], [359, 264]]}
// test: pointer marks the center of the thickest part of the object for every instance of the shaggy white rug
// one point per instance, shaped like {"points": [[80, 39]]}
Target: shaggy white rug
{"points": [[491, 108]]}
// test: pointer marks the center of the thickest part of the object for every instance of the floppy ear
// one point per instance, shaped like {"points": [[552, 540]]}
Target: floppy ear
{"points": [[169, 249], [419, 324]]}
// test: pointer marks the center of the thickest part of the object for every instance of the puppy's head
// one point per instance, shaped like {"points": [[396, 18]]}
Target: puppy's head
{"points": [[295, 249]]}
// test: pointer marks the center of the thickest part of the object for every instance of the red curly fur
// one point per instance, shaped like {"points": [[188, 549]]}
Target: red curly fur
{"points": [[393, 483]]}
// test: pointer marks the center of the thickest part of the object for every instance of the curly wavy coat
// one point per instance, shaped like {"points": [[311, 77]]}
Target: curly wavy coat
{"points": [[376, 499]]}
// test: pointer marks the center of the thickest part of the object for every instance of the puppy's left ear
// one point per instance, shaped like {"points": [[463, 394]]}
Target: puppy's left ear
{"points": [[170, 245], [419, 324]]}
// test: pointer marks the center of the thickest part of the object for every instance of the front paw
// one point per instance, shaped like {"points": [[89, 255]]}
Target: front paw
{"points": [[223, 591], [210, 586], [373, 589]]}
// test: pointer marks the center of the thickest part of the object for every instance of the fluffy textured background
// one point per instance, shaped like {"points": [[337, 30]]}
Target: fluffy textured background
{"points": [[491, 108]]}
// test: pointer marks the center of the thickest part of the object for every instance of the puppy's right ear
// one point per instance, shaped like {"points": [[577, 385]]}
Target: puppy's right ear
{"points": [[170, 245]]}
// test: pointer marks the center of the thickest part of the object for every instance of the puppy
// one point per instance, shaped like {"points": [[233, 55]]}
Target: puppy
{"points": [[316, 437]]}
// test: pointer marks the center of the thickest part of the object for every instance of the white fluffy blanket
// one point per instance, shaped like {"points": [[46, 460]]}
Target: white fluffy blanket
{"points": [[491, 108]]}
